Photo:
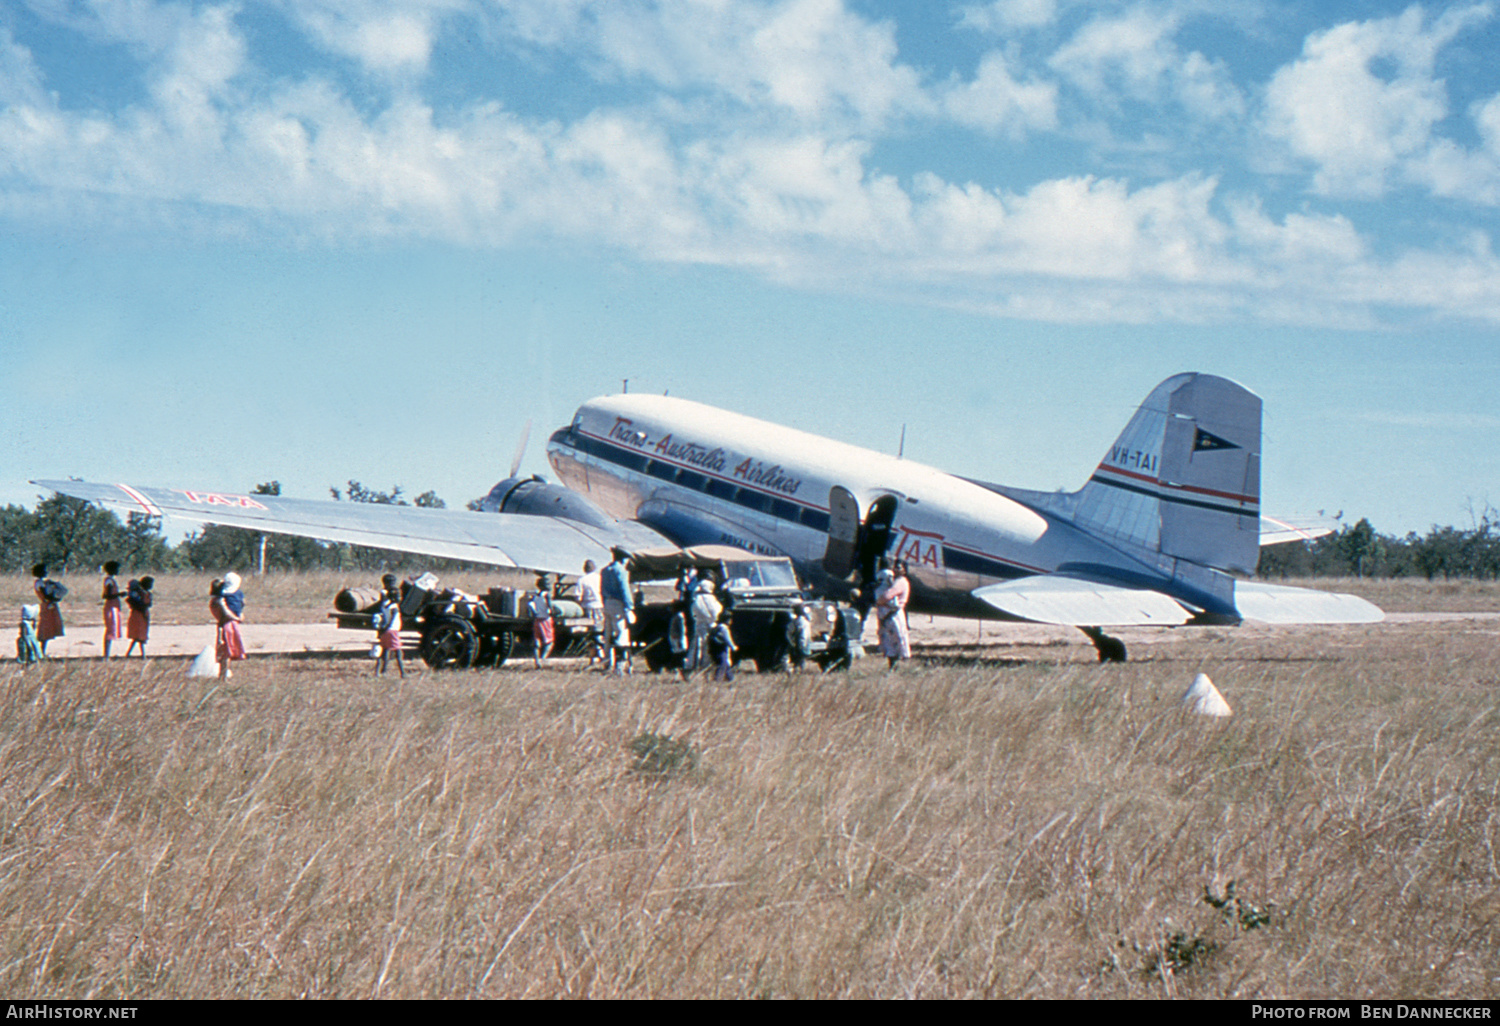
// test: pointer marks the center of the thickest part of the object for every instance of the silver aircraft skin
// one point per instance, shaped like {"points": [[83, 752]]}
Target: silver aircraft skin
{"points": [[1154, 537]]}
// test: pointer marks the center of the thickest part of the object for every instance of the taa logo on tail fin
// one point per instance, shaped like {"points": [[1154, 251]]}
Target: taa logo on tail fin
{"points": [[1203, 441]]}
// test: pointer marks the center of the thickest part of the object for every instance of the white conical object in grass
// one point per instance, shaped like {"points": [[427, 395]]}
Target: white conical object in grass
{"points": [[1203, 697], [205, 665]]}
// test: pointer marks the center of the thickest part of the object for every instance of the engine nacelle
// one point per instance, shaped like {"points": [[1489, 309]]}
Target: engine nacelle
{"points": [[534, 497]]}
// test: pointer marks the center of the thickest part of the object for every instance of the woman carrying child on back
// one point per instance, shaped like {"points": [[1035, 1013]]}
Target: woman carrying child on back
{"points": [[48, 594], [228, 645], [138, 628]]}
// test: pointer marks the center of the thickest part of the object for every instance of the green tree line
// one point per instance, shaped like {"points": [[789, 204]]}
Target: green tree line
{"points": [[1358, 550]]}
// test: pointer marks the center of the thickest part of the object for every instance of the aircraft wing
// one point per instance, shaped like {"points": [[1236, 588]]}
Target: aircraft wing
{"points": [[1073, 601], [1279, 530], [552, 544], [1275, 603]]}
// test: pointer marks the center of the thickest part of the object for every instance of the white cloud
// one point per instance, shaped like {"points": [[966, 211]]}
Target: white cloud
{"points": [[1002, 16], [1339, 107], [749, 139], [995, 102], [786, 191], [1316, 241], [205, 56], [812, 59], [386, 37], [20, 81], [1091, 228], [546, 23], [1134, 55]]}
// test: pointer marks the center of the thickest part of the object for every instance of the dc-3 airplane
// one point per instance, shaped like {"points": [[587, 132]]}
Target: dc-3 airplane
{"points": [[1153, 537]]}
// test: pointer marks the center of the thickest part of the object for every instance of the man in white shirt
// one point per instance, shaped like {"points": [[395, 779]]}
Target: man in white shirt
{"points": [[592, 601]]}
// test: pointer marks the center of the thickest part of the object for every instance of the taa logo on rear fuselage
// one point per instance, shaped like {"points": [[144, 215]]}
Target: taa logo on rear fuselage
{"points": [[920, 548]]}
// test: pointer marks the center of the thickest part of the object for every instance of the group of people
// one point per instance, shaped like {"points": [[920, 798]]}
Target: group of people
{"points": [[699, 630], [42, 622], [138, 598], [609, 603], [605, 595], [710, 642]]}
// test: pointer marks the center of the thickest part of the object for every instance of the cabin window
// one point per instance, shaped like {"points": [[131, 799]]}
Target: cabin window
{"points": [[665, 471], [814, 518], [720, 489], [625, 458], [783, 510], [752, 499], [692, 479]]}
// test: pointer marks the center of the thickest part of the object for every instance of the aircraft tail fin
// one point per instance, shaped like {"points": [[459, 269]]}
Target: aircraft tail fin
{"points": [[1183, 479]]}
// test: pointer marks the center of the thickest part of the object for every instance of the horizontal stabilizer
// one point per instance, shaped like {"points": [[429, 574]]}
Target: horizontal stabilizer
{"points": [[1279, 530], [1074, 602], [1275, 603]]}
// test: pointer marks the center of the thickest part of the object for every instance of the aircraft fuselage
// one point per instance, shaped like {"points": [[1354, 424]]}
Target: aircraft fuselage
{"points": [[703, 475]]}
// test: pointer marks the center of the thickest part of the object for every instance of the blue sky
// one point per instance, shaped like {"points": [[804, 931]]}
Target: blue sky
{"points": [[314, 240]]}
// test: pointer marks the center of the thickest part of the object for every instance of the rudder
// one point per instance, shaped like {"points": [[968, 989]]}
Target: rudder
{"points": [[1183, 478]]}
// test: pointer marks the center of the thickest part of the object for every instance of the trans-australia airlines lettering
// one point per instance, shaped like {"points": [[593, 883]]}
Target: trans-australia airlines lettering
{"points": [[749, 470]]}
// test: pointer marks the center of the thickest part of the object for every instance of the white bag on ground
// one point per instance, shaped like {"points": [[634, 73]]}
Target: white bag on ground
{"points": [[205, 665], [1203, 698]]}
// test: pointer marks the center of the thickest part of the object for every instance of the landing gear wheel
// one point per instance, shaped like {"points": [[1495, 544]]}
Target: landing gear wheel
{"points": [[494, 649], [450, 643], [658, 650], [834, 659]]}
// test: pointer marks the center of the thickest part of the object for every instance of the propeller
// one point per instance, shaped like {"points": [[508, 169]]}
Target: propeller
{"points": [[515, 461]]}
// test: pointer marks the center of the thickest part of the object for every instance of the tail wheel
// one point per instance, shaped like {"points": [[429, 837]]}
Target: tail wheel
{"points": [[450, 643]]}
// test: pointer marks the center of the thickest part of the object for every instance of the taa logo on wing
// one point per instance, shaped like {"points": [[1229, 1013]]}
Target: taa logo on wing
{"points": [[920, 548], [217, 499]]}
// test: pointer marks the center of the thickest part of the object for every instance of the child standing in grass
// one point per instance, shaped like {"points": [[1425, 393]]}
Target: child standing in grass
{"points": [[543, 632], [721, 649], [387, 623], [28, 649]]}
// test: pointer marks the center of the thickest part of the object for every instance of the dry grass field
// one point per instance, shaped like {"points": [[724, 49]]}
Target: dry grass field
{"points": [[983, 822]]}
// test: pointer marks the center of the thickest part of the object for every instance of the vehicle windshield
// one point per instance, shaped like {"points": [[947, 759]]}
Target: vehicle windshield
{"points": [[760, 573]]}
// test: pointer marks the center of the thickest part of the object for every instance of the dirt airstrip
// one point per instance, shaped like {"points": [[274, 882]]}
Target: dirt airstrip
{"points": [[941, 638]]}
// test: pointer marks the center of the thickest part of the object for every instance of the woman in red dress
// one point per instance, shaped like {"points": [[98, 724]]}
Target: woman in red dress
{"points": [[228, 645], [49, 623], [114, 623], [138, 629]]}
